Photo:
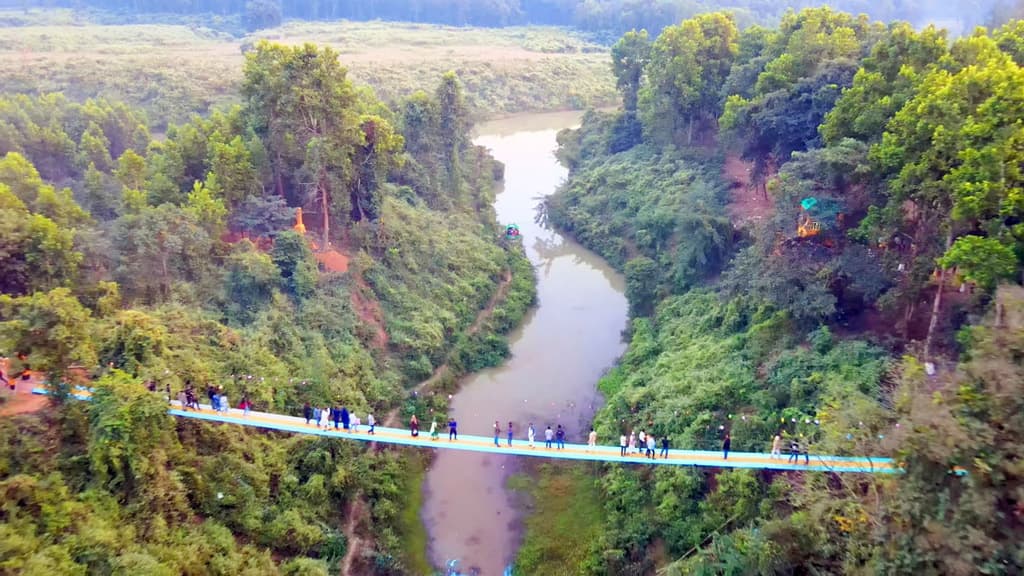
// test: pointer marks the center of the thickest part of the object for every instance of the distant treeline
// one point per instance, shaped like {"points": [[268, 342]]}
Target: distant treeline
{"points": [[599, 16]]}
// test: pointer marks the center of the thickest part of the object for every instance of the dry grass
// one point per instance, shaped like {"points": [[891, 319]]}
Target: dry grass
{"points": [[173, 71]]}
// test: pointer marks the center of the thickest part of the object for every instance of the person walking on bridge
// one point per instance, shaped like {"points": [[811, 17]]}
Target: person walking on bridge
{"points": [[307, 412], [776, 447], [560, 437], [725, 446], [530, 434], [371, 423], [591, 440], [344, 418], [453, 429], [414, 426], [336, 416], [632, 442], [548, 436], [325, 417], [622, 445], [433, 429], [497, 433], [650, 446], [664, 446], [794, 451]]}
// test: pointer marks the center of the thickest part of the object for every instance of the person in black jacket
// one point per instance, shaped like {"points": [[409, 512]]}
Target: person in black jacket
{"points": [[726, 444]]}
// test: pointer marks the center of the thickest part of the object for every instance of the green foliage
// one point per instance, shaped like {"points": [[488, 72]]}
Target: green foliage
{"points": [[158, 291], [908, 141], [52, 328], [641, 284], [643, 203], [629, 56], [981, 260], [565, 526], [292, 256], [688, 63]]}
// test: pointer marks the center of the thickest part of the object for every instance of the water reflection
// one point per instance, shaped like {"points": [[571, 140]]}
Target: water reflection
{"points": [[562, 348]]}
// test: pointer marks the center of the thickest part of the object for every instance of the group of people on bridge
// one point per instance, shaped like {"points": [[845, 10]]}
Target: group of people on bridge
{"points": [[644, 444]]}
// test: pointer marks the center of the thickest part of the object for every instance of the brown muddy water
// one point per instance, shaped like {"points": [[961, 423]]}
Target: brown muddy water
{"points": [[562, 348]]}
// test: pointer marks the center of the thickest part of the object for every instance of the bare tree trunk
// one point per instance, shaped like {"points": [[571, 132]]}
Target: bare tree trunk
{"points": [[908, 315], [278, 181], [324, 201], [936, 304]]}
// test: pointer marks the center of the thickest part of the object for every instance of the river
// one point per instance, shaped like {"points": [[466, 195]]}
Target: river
{"points": [[562, 348]]}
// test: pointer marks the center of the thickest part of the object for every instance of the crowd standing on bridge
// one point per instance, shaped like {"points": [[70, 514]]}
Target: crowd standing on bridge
{"points": [[632, 444]]}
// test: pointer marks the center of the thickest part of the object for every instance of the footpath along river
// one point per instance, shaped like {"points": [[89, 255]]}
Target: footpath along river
{"points": [[563, 347]]}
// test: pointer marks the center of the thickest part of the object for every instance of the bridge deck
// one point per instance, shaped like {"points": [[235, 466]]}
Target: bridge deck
{"points": [[520, 447]]}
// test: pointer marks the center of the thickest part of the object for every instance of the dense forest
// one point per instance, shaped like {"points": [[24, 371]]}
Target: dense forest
{"points": [[598, 16], [130, 260], [820, 228]]}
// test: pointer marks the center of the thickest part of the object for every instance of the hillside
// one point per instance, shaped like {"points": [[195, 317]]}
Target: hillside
{"points": [[134, 263], [867, 304]]}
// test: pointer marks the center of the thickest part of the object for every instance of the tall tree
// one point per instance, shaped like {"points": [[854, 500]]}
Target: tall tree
{"points": [[688, 64], [629, 56], [300, 101], [453, 126]]}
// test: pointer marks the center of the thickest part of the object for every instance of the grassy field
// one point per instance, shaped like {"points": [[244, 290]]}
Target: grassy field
{"points": [[564, 519], [173, 71]]}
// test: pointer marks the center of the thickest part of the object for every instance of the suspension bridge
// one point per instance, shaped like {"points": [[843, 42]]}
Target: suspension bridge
{"points": [[521, 447]]}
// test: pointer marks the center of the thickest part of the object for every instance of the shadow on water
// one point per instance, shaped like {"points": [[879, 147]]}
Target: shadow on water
{"points": [[559, 352]]}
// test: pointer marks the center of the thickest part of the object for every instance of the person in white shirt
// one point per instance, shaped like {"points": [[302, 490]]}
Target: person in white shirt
{"points": [[591, 440], [530, 434]]}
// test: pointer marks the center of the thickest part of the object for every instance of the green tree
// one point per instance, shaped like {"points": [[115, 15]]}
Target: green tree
{"points": [[35, 253], [206, 206], [629, 57], [134, 342], [126, 424], [375, 158], [293, 258], [688, 65], [981, 260], [232, 163], [249, 282], [641, 284], [94, 148], [261, 14], [453, 131], [52, 328], [156, 248], [301, 102]]}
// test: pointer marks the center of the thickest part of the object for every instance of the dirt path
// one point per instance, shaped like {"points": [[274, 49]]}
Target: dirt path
{"points": [[442, 370], [22, 400], [747, 205], [22, 403], [353, 542]]}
